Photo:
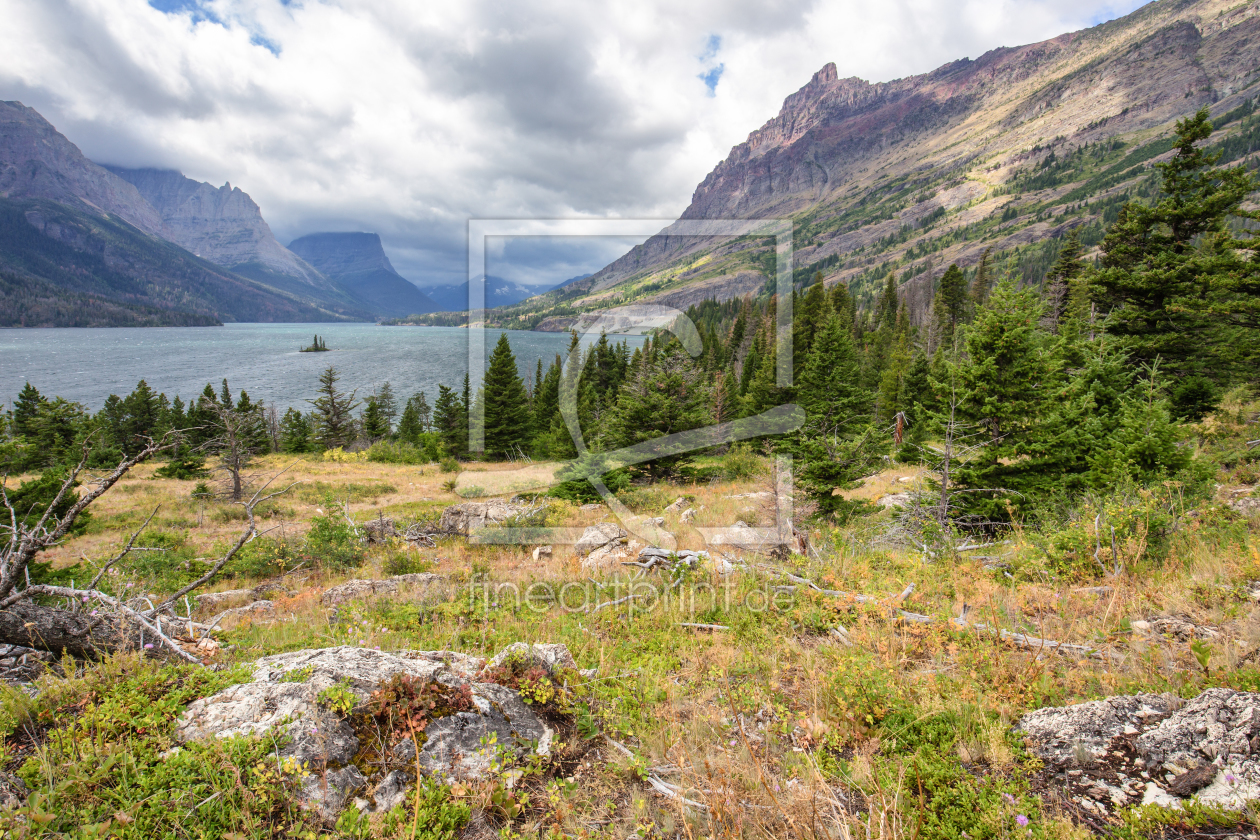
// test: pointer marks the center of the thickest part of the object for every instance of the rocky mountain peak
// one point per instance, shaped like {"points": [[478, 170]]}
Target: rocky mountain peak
{"points": [[337, 254], [220, 224]]}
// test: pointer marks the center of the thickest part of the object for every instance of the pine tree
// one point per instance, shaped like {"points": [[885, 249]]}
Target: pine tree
{"points": [[388, 406], [507, 416], [981, 283], [1063, 290], [1177, 284], [831, 450], [256, 437], [25, 407], [334, 420], [295, 433], [372, 420], [950, 305], [449, 422]]}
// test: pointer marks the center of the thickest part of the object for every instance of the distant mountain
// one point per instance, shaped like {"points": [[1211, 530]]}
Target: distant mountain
{"points": [[70, 227], [499, 292], [1001, 154], [358, 264], [64, 247], [222, 225]]}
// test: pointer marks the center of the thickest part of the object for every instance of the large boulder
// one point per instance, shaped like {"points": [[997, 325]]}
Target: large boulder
{"points": [[355, 589], [598, 536], [1152, 748], [469, 516], [284, 700]]}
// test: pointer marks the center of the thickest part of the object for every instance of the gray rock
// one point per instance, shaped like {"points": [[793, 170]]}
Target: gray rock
{"points": [[469, 516], [391, 791], [895, 500], [327, 792], [464, 745], [283, 700], [13, 792], [547, 657], [1205, 743], [353, 589], [598, 536], [380, 529]]}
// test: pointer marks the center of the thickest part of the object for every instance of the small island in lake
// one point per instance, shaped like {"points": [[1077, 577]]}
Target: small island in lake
{"points": [[316, 346]]}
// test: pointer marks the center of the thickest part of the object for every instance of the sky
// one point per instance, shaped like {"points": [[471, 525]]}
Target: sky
{"points": [[409, 119]]}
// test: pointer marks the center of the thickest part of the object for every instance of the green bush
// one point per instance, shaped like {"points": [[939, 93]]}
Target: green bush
{"points": [[426, 451], [742, 463], [333, 544]]}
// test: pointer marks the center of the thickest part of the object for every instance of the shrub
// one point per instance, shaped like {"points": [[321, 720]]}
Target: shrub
{"points": [[741, 463], [333, 543], [390, 452]]}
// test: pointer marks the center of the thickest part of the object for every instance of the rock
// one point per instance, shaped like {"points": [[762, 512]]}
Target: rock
{"points": [[1247, 506], [608, 556], [327, 792], [1175, 627], [13, 792], [391, 791], [456, 746], [598, 536], [676, 505], [895, 500], [592, 506], [213, 600], [657, 521], [540, 552], [353, 589], [1206, 743], [547, 657], [379, 530], [284, 699], [257, 609], [1191, 780], [467, 517], [687, 515]]}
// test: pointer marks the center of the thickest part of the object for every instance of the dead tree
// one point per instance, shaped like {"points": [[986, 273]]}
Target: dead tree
{"points": [[234, 447], [88, 622]]}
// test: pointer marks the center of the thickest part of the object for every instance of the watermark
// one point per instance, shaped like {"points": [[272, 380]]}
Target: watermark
{"points": [[628, 595], [591, 466]]}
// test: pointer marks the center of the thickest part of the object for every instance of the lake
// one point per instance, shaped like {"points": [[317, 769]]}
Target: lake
{"points": [[87, 365]]}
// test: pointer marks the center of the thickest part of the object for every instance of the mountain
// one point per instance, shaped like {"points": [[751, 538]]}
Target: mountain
{"points": [[1004, 153], [499, 292], [36, 161], [73, 229], [222, 225], [359, 265]]}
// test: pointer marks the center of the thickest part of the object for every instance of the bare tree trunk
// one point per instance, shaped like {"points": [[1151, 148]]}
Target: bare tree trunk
{"points": [[60, 631]]}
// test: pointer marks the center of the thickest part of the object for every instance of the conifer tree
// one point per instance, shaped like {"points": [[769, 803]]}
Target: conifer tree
{"points": [[334, 421], [667, 394], [372, 420], [1177, 283], [449, 422], [25, 407], [295, 433], [508, 420], [950, 305]]}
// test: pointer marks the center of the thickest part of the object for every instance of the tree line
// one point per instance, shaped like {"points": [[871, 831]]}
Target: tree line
{"points": [[1074, 383]]}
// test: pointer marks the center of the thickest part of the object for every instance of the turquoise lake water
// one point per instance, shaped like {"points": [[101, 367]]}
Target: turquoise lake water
{"points": [[87, 365]]}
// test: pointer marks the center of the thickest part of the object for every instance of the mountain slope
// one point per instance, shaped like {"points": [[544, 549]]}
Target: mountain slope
{"points": [[358, 264], [499, 292], [1005, 152], [36, 161], [222, 225], [67, 248]]}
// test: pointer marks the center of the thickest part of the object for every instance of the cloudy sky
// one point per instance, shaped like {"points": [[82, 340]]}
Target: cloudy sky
{"points": [[408, 118]]}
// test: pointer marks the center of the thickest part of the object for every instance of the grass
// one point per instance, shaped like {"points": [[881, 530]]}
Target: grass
{"points": [[776, 725]]}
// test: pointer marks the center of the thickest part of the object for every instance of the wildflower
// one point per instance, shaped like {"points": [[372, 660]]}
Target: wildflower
{"points": [[1021, 819], [92, 613], [1010, 799], [1229, 777], [148, 647]]}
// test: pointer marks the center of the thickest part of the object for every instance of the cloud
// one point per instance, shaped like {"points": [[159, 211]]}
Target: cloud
{"points": [[409, 118]]}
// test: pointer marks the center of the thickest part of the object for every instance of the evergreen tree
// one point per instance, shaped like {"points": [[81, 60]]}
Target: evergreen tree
{"points": [[415, 419], [372, 420], [295, 433], [256, 437], [449, 422], [833, 449], [665, 395], [333, 417], [1177, 283], [507, 415], [981, 283], [950, 305], [387, 404], [1063, 294], [25, 407], [225, 396]]}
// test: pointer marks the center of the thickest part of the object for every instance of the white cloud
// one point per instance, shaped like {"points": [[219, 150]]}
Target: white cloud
{"points": [[410, 118]]}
